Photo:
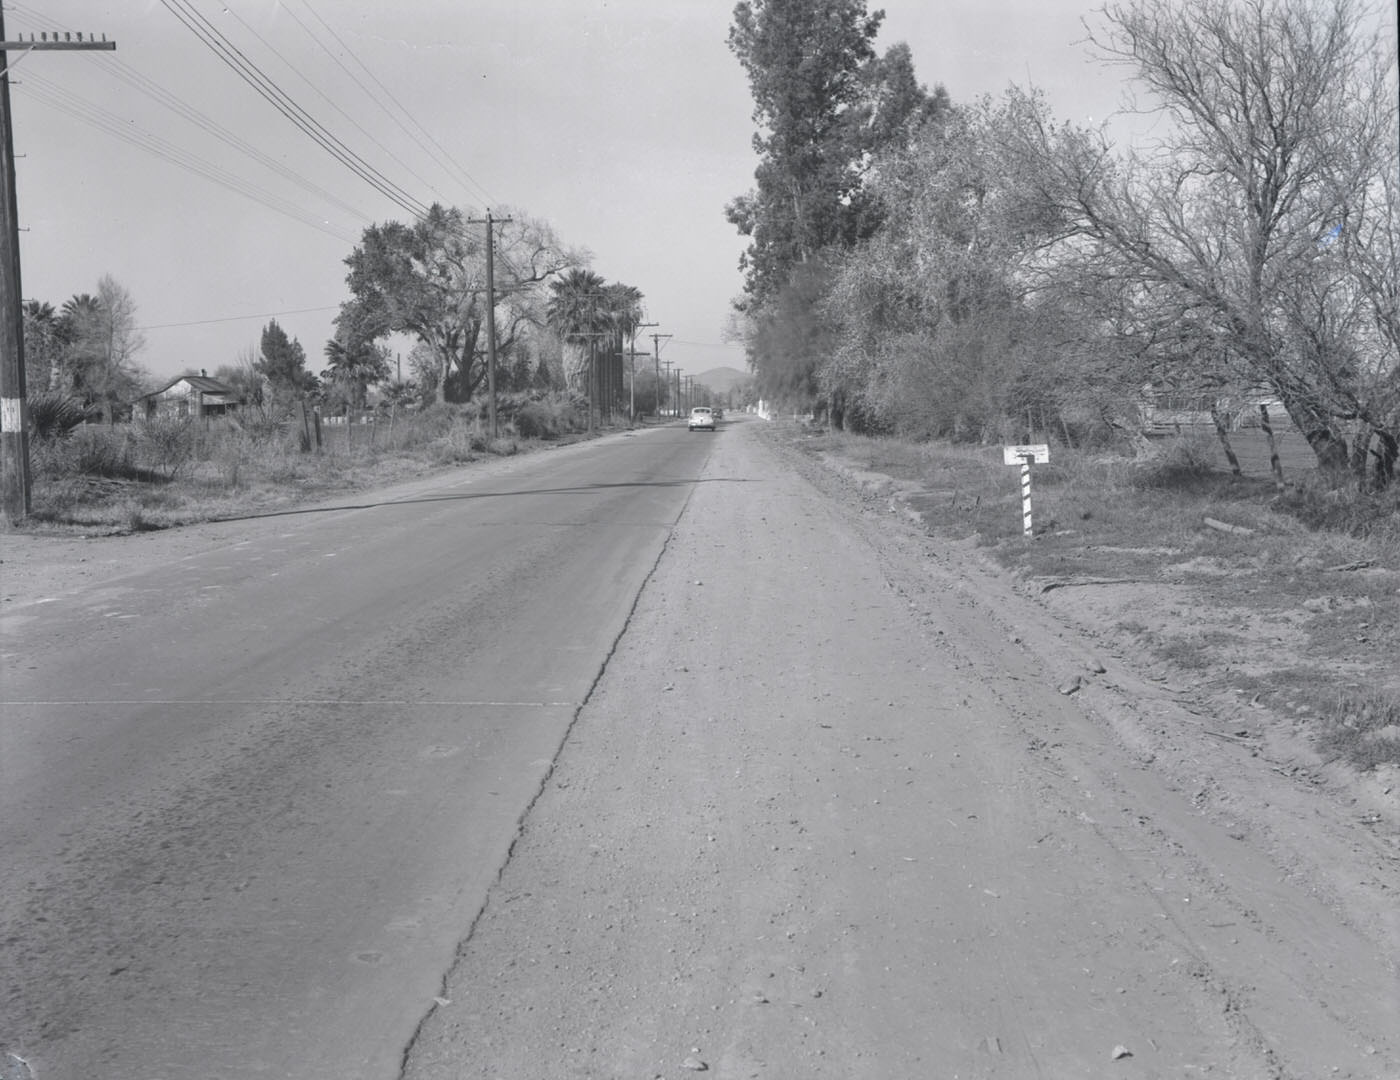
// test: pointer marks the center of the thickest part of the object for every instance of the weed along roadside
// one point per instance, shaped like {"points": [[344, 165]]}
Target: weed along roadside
{"points": [[1277, 615], [144, 476]]}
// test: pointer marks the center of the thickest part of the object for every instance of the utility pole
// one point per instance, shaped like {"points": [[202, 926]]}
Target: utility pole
{"points": [[670, 399], [656, 355], [632, 405], [490, 224], [592, 336], [14, 411]]}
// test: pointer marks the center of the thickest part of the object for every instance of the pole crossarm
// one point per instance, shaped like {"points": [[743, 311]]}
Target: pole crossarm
{"points": [[57, 46]]}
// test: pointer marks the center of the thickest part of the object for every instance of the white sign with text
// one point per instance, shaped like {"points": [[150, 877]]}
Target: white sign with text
{"points": [[1039, 453]]}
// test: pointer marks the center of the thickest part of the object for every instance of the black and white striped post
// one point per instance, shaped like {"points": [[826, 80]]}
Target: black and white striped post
{"points": [[1025, 456]]}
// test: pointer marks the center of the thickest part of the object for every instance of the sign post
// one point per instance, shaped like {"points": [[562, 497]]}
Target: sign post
{"points": [[1024, 456]]}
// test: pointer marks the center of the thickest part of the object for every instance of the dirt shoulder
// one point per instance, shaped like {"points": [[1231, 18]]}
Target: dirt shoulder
{"points": [[1219, 729], [828, 813]]}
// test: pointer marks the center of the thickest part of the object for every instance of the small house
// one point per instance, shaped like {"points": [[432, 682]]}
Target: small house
{"points": [[190, 395]]}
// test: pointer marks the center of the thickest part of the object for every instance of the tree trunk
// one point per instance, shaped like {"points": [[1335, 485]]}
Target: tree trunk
{"points": [[836, 410], [444, 371], [1385, 459], [1361, 456], [1328, 445], [1275, 466], [1224, 437], [574, 363]]}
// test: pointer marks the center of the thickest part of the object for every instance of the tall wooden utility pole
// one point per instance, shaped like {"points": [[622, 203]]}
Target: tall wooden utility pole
{"points": [[668, 364], [656, 356], [632, 382], [14, 412], [490, 224]]}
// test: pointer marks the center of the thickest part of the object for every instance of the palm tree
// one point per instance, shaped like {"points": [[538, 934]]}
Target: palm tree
{"points": [[353, 367], [576, 312], [78, 331], [624, 315], [41, 347]]}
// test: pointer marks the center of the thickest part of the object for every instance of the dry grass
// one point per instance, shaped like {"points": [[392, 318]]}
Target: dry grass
{"points": [[1360, 726], [135, 478]]}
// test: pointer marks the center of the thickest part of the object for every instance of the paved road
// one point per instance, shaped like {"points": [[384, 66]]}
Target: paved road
{"points": [[820, 812], [250, 801]]}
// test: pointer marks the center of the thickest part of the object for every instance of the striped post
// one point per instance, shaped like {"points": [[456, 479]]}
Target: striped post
{"points": [[1025, 456], [1026, 492]]}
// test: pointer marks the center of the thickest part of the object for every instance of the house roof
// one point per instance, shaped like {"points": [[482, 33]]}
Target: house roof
{"points": [[203, 383]]}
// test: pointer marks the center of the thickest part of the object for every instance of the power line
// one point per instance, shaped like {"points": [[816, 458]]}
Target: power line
{"points": [[327, 99], [441, 157], [240, 318], [267, 88], [57, 97], [708, 344], [161, 96], [142, 83]]}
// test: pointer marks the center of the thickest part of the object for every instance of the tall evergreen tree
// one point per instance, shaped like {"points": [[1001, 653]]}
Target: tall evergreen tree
{"points": [[824, 102], [282, 362]]}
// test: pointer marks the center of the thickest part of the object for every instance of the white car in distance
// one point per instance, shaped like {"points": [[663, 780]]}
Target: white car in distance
{"points": [[702, 418]]}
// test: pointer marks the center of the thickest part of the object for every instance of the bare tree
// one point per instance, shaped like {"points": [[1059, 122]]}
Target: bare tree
{"points": [[1264, 104]]}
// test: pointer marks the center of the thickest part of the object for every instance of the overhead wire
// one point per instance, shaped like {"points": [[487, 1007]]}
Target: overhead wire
{"points": [[268, 89], [233, 57], [64, 100], [442, 157], [140, 82], [241, 318], [327, 98], [135, 79]]}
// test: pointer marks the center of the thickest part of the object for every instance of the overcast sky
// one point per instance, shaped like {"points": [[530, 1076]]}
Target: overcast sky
{"points": [[624, 123]]}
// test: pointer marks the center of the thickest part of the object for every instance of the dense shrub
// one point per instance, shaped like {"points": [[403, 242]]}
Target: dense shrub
{"points": [[1183, 462], [536, 420], [547, 417], [95, 450], [168, 443], [52, 415]]}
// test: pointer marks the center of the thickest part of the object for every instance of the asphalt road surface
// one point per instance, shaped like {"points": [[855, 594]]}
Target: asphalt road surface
{"points": [[655, 757], [250, 801]]}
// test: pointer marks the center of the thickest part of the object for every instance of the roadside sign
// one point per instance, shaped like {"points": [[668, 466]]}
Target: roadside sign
{"points": [[1024, 456], [1039, 453]]}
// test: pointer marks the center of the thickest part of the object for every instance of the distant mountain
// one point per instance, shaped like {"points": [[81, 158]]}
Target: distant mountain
{"points": [[723, 379]]}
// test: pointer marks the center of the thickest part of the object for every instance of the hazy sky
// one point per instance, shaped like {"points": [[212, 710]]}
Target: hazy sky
{"points": [[624, 123]]}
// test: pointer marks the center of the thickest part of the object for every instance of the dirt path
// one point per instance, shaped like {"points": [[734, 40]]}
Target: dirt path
{"points": [[827, 813]]}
